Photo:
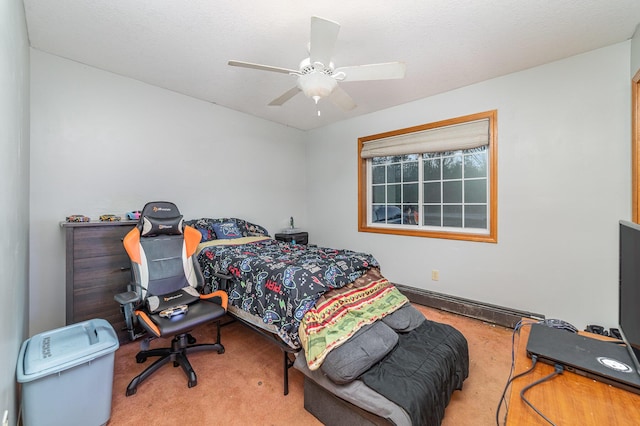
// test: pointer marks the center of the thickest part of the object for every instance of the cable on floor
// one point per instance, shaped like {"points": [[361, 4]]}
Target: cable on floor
{"points": [[558, 370], [534, 359]]}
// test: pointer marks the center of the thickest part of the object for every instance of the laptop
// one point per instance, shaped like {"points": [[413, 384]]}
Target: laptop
{"points": [[604, 361]]}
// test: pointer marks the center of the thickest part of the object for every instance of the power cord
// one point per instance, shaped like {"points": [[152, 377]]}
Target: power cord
{"points": [[558, 370], [510, 379]]}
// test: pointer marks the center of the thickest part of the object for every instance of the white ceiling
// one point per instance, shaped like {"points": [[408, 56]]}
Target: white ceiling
{"points": [[184, 45]]}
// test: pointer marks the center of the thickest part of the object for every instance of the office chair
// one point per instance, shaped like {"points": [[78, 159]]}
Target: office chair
{"points": [[163, 296]]}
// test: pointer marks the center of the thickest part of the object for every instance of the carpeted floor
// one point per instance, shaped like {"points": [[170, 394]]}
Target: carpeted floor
{"points": [[244, 386]]}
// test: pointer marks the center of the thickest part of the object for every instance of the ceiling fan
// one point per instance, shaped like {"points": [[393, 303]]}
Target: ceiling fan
{"points": [[317, 76]]}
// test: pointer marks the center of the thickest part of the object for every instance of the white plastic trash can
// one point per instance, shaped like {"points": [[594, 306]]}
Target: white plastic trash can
{"points": [[67, 375]]}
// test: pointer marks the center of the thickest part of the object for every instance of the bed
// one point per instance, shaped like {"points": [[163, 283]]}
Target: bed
{"points": [[355, 337]]}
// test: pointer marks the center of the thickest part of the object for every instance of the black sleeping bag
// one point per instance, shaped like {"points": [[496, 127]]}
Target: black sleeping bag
{"points": [[422, 372]]}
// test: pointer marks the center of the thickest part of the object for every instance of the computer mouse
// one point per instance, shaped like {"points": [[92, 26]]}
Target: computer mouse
{"points": [[558, 323]]}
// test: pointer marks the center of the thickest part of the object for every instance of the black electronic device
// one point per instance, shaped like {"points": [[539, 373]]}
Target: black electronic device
{"points": [[560, 324], [605, 361], [629, 289], [596, 329]]}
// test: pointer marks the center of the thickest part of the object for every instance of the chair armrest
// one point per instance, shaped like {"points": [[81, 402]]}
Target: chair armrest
{"points": [[223, 276], [224, 279], [218, 296], [127, 297]]}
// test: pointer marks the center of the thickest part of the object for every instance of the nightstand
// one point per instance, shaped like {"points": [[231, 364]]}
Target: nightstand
{"points": [[290, 237]]}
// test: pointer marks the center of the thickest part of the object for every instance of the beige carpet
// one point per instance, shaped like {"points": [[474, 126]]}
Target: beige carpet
{"points": [[244, 386]]}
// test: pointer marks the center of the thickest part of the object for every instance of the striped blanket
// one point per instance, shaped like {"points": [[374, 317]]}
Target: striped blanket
{"points": [[340, 313]]}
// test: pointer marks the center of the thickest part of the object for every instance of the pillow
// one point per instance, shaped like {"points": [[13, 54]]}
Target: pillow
{"points": [[226, 230], [249, 229], [404, 319], [161, 226], [355, 356], [207, 234], [204, 226]]}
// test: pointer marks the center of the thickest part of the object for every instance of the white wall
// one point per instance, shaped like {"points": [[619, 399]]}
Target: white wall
{"points": [[101, 143], [564, 181], [635, 52], [14, 196]]}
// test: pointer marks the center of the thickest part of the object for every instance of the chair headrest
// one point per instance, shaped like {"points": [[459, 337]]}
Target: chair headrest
{"points": [[160, 218]]}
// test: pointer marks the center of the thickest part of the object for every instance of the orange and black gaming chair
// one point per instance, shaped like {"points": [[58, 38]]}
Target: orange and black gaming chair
{"points": [[163, 297]]}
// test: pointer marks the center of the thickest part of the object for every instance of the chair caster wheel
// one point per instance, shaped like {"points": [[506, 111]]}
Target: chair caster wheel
{"points": [[140, 359], [191, 340], [192, 383], [131, 391], [221, 351]]}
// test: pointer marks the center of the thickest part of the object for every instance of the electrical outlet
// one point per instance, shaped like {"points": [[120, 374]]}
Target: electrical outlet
{"points": [[435, 275]]}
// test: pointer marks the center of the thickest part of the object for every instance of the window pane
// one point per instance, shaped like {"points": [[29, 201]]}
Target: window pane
{"points": [[410, 215], [475, 163], [452, 192], [377, 214], [475, 217], [378, 194], [394, 194], [381, 160], [410, 172], [393, 173], [432, 215], [387, 214], [452, 166], [432, 193], [410, 193], [452, 216], [475, 191], [431, 169], [377, 174]]}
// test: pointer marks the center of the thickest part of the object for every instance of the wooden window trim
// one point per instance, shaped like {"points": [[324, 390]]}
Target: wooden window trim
{"points": [[491, 237]]}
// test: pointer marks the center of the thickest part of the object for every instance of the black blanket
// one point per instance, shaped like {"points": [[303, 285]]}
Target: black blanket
{"points": [[278, 281], [422, 372]]}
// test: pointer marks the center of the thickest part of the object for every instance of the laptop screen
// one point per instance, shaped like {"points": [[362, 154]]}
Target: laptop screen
{"points": [[629, 289]]}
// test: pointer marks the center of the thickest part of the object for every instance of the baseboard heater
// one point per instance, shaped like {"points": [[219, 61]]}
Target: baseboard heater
{"points": [[494, 314]]}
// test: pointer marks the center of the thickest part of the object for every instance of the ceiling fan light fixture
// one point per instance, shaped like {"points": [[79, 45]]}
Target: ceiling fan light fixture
{"points": [[316, 85], [317, 76]]}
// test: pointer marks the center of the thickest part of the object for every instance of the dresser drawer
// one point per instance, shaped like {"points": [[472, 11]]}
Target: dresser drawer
{"points": [[298, 237], [97, 269], [98, 241]]}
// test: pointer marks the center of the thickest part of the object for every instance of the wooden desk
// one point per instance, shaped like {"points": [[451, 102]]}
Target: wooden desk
{"points": [[567, 399]]}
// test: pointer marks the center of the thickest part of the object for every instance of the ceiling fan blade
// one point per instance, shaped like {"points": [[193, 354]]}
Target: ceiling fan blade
{"points": [[285, 96], [384, 71], [342, 99], [324, 34], [262, 67]]}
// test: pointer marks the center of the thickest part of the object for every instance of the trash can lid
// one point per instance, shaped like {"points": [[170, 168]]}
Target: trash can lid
{"points": [[60, 349]]}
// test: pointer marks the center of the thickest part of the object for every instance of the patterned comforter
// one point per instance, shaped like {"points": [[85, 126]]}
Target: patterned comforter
{"points": [[277, 281]]}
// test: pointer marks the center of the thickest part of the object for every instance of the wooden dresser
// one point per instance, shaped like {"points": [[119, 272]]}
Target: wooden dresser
{"points": [[97, 268]]}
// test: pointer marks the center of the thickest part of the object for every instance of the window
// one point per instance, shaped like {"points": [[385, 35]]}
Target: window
{"points": [[436, 180]]}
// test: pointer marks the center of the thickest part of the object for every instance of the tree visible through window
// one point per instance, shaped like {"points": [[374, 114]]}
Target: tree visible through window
{"points": [[439, 181]]}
